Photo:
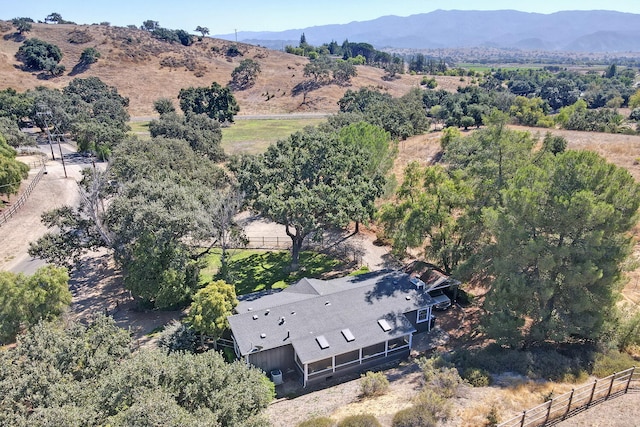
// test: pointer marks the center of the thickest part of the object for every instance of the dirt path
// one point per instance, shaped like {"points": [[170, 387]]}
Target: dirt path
{"points": [[53, 190]]}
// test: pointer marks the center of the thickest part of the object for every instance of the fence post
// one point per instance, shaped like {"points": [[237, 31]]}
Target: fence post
{"points": [[569, 404], [633, 371], [548, 411], [593, 389], [613, 377], [524, 414]]}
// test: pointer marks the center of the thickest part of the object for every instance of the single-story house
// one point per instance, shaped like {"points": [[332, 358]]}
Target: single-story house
{"points": [[324, 327]]}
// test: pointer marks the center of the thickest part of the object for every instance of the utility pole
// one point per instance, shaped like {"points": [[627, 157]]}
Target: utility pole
{"points": [[46, 114], [42, 111]]}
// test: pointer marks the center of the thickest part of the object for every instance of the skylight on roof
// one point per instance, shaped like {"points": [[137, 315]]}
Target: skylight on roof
{"points": [[416, 281], [322, 342], [384, 325], [346, 333]]}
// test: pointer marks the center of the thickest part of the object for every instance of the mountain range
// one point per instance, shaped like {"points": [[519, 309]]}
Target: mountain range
{"points": [[577, 31]]}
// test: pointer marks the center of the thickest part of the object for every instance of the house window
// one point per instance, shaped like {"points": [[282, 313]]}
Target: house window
{"points": [[398, 343], [373, 350], [423, 315], [344, 358], [320, 365]]}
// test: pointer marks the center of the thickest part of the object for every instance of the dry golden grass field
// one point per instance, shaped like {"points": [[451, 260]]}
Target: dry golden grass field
{"points": [[132, 61]]}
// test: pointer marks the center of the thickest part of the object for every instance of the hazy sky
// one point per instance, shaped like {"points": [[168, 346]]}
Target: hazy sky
{"points": [[223, 17]]}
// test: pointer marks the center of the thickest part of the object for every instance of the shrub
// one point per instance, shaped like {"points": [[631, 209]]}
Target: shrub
{"points": [[79, 37], [413, 417], [89, 56], [430, 402], [492, 417], [373, 384], [361, 420], [177, 337], [611, 362], [233, 51], [477, 377], [548, 363], [39, 55], [446, 382], [317, 422]]}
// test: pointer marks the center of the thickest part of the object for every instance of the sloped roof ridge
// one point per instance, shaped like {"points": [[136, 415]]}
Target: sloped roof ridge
{"points": [[303, 286]]}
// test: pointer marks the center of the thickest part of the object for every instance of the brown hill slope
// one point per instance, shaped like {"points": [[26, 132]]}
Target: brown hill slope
{"points": [[145, 69]]}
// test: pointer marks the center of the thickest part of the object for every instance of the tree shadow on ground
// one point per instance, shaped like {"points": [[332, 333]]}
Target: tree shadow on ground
{"points": [[79, 68], [16, 37], [271, 270]]}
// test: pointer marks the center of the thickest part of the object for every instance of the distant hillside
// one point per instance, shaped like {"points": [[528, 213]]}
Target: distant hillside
{"points": [[584, 31], [145, 69]]}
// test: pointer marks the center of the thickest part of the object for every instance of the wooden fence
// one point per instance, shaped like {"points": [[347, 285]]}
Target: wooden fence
{"points": [[343, 251], [7, 214], [577, 400], [266, 242]]}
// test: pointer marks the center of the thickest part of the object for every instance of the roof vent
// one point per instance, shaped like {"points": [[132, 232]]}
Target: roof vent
{"points": [[322, 342], [327, 303], [281, 321], [407, 298], [346, 333], [263, 335], [293, 312], [250, 308], [266, 312], [384, 325], [255, 317]]}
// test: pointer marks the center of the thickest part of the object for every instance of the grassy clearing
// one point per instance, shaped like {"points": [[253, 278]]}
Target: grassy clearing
{"points": [[254, 136], [256, 270], [137, 127], [490, 67], [247, 136]]}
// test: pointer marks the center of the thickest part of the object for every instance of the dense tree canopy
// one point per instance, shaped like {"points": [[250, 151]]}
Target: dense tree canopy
{"points": [[401, 117], [154, 208], [12, 171], [561, 235], [201, 132], [41, 56], [310, 181], [216, 102], [26, 300], [210, 307], [87, 375]]}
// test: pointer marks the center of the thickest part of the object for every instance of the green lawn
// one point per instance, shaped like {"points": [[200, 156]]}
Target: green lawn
{"points": [[254, 136], [247, 136], [256, 270]]}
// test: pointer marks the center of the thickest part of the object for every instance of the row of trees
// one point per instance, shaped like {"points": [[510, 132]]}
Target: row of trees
{"points": [[549, 229], [557, 103], [91, 112]]}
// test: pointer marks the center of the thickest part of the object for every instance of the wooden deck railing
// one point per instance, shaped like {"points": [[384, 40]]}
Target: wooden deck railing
{"points": [[577, 400]]}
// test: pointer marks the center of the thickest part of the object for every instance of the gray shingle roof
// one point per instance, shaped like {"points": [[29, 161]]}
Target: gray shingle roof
{"points": [[311, 307]]}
